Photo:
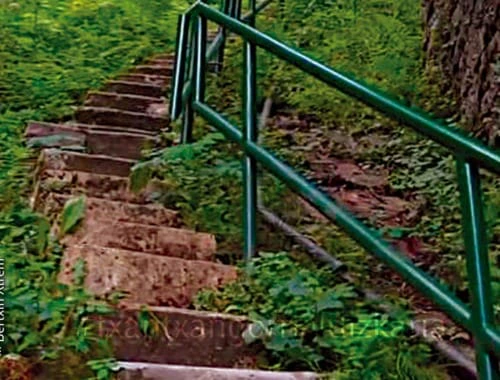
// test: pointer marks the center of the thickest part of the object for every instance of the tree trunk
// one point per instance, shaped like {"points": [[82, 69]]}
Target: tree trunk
{"points": [[462, 37]]}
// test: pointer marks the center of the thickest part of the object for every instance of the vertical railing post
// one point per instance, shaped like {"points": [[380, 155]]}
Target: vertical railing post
{"points": [[250, 134], [180, 66], [478, 269], [188, 116], [201, 50], [197, 76], [222, 30], [237, 9]]}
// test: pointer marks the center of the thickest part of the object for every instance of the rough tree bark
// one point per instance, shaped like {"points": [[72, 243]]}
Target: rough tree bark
{"points": [[462, 37]]}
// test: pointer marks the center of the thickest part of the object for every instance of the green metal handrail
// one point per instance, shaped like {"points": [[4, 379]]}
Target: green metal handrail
{"points": [[470, 154]]}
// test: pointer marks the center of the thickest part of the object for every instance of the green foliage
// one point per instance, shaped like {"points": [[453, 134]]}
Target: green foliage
{"points": [[204, 182], [306, 319], [51, 53], [375, 41], [46, 320], [72, 214]]}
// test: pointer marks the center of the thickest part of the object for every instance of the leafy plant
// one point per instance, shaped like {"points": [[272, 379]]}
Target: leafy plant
{"points": [[73, 212], [307, 319], [52, 53]]}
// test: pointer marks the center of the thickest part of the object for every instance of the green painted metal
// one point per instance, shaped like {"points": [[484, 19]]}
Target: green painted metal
{"points": [[250, 134], [478, 268], [180, 64], [470, 153], [356, 229]]}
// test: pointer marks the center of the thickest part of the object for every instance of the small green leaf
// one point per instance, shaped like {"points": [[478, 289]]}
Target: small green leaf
{"points": [[329, 301], [256, 331], [42, 235], [73, 213], [140, 176], [144, 322]]}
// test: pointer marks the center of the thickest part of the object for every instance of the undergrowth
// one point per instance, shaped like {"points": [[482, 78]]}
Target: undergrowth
{"points": [[51, 53], [308, 320]]}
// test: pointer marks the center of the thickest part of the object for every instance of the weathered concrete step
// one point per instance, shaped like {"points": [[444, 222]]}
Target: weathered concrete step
{"points": [[178, 336], [40, 129], [148, 371], [166, 56], [111, 116], [91, 184], [135, 88], [144, 278], [157, 80], [99, 208], [154, 70], [133, 103], [55, 159], [168, 62], [111, 143], [166, 241], [118, 144]]}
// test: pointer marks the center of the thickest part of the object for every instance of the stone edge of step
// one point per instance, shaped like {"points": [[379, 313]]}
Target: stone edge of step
{"points": [[180, 372], [83, 128]]}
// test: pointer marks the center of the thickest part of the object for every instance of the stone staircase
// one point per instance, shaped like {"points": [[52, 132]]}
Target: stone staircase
{"points": [[134, 246]]}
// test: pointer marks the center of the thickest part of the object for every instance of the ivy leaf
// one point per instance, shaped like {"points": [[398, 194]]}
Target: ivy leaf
{"points": [[144, 322], [73, 213], [140, 176], [297, 287], [79, 271], [256, 331], [282, 340], [329, 301], [42, 235]]}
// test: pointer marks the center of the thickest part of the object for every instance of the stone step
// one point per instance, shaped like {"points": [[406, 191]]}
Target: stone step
{"points": [[55, 159], [93, 185], [111, 143], [168, 62], [166, 56], [154, 70], [149, 371], [178, 336], [47, 135], [119, 144], [159, 240], [111, 116], [99, 208], [135, 88], [157, 80], [40, 129], [133, 103], [144, 278]]}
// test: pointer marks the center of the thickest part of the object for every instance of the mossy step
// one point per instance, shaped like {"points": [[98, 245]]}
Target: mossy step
{"points": [[40, 129], [126, 102], [159, 240], [164, 70], [111, 116], [144, 278], [156, 80], [135, 88], [178, 336], [148, 371], [56, 159], [74, 183], [99, 208]]}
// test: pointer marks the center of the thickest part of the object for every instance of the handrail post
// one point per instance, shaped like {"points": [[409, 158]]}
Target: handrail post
{"points": [[250, 134], [201, 49], [187, 116], [478, 269], [180, 66], [222, 30]]}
